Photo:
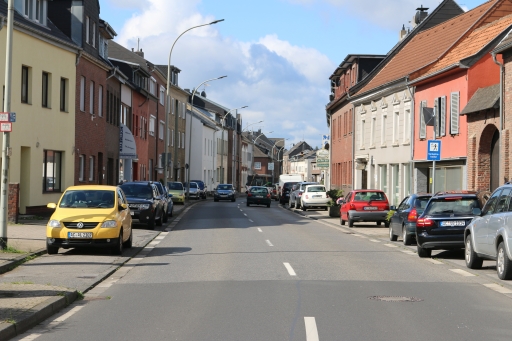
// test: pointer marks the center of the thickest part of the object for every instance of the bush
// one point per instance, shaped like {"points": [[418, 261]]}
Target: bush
{"points": [[390, 214], [334, 194]]}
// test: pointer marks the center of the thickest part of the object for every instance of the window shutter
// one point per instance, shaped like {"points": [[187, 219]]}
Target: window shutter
{"points": [[423, 127], [443, 115], [454, 113], [184, 110], [173, 106], [437, 121]]}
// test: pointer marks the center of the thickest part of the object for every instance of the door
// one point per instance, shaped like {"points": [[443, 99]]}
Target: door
{"points": [[398, 217], [495, 161], [497, 220], [364, 179], [345, 206], [481, 224]]}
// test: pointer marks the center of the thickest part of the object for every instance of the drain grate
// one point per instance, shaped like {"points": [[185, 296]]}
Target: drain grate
{"points": [[395, 299]]}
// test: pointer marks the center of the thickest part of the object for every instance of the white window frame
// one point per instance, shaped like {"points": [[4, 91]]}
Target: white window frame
{"points": [[183, 140], [161, 129], [361, 139], [81, 169], [152, 120], [162, 95], [372, 131], [87, 29], [152, 86], [93, 42], [407, 125], [396, 127], [172, 139], [383, 129], [91, 168], [82, 93]]}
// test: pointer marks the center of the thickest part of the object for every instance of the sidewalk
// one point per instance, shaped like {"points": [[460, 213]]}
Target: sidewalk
{"points": [[34, 285]]}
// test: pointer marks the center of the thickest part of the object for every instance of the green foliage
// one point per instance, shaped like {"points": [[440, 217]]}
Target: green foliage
{"points": [[390, 214], [334, 194], [10, 249]]}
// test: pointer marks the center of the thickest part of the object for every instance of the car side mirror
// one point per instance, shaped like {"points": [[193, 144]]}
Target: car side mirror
{"points": [[52, 205], [392, 208], [123, 207], [476, 211]]}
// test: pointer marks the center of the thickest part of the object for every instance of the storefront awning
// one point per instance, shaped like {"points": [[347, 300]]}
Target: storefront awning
{"points": [[127, 147], [483, 99]]}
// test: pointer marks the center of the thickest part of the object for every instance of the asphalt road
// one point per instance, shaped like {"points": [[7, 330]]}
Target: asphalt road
{"points": [[231, 272]]}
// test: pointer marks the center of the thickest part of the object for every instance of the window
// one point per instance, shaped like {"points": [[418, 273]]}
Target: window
{"points": [[152, 86], [162, 95], [81, 169], [172, 138], [384, 178], [100, 101], [407, 125], [161, 129], [454, 113], [35, 10], [45, 91], [423, 125], [93, 34], [372, 132], [396, 127], [87, 29], [63, 94], [91, 168], [257, 165], [82, 93], [173, 104], [152, 120], [383, 130], [25, 84], [52, 161], [168, 137], [91, 98], [362, 133], [183, 140]]}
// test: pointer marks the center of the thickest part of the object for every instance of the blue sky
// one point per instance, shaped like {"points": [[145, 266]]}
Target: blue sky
{"points": [[277, 54]]}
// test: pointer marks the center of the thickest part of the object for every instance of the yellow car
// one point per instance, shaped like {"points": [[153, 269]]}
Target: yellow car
{"points": [[90, 216], [177, 190]]}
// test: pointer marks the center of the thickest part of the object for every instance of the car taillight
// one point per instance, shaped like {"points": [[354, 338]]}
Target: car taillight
{"points": [[327, 195], [300, 194], [249, 194], [412, 216], [424, 222], [386, 208], [268, 195]]}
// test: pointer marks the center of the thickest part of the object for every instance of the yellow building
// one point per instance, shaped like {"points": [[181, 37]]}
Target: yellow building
{"points": [[43, 98]]}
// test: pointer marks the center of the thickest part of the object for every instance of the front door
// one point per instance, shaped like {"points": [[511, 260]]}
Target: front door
{"points": [[495, 161], [364, 179]]}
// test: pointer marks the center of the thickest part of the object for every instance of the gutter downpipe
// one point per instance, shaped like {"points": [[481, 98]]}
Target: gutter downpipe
{"points": [[413, 109], [502, 70]]}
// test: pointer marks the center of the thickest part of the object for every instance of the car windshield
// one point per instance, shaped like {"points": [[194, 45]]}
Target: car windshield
{"points": [[450, 205], [288, 185], [369, 196], [193, 185], [138, 191], [420, 203], [316, 189], [259, 191], [224, 187], [88, 199], [175, 185]]}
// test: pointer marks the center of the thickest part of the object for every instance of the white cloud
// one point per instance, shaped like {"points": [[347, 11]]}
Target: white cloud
{"points": [[284, 85]]}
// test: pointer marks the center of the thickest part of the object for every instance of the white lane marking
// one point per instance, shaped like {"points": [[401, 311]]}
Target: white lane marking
{"points": [[245, 214], [269, 243], [358, 235], [53, 324], [241, 210], [407, 252], [290, 269], [259, 230], [390, 245], [311, 330], [462, 272], [31, 337], [498, 288], [374, 240], [433, 261], [251, 221]]}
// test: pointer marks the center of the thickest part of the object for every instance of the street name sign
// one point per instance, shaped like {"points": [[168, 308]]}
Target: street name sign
{"points": [[5, 127], [434, 150], [7, 117]]}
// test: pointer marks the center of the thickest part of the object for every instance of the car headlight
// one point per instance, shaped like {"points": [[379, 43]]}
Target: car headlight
{"points": [[109, 223], [144, 206], [54, 223]]}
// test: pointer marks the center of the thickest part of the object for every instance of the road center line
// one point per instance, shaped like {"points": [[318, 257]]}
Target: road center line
{"points": [[251, 221], [311, 330], [245, 214], [259, 230], [290, 269], [269, 243], [462, 272], [390, 245]]}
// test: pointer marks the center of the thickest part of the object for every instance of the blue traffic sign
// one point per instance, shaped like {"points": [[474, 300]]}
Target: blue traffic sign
{"points": [[434, 150]]}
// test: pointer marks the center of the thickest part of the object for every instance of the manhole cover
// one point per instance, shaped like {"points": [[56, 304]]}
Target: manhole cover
{"points": [[395, 299]]}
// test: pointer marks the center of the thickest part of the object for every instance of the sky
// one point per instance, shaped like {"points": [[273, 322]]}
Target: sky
{"points": [[277, 54]]}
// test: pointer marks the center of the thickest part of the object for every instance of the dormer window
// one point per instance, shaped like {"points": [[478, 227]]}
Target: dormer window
{"points": [[36, 10]]}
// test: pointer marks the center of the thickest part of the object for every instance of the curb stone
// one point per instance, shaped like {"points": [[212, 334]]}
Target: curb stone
{"points": [[15, 262]]}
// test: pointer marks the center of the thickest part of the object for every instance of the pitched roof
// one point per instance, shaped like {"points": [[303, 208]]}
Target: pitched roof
{"points": [[505, 44], [474, 43], [427, 46], [484, 98], [119, 52]]}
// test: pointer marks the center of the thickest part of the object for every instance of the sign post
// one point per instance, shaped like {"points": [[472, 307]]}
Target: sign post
{"points": [[433, 154]]}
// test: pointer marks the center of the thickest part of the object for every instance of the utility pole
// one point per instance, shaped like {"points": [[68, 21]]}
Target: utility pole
{"points": [[5, 138]]}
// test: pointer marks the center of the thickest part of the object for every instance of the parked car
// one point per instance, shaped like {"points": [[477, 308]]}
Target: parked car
{"points": [[441, 226], [202, 188], [258, 195], [166, 199], [488, 235], [284, 195], [364, 205], [296, 193], [403, 221], [224, 192], [273, 193], [277, 189], [194, 192], [177, 191], [145, 202], [314, 196], [90, 216]]}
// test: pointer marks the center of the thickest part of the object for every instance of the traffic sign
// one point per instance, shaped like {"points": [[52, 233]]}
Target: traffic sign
{"points": [[7, 117], [434, 150], [5, 127], [270, 166]]}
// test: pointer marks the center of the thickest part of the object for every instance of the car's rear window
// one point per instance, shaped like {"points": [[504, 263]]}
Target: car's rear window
{"points": [[369, 196], [288, 185], [316, 189], [175, 185], [138, 191], [420, 203], [88, 199], [452, 206], [225, 187], [259, 191]]}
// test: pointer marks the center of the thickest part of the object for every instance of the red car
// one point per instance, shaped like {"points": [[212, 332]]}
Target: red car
{"points": [[364, 205]]}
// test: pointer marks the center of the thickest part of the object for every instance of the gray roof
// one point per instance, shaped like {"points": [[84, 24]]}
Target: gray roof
{"points": [[298, 147], [204, 117], [119, 52], [164, 69], [505, 44], [484, 98]]}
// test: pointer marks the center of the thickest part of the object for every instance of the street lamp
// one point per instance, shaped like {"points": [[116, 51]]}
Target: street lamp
{"points": [[260, 135], [251, 125], [190, 128], [168, 105], [275, 144], [222, 139]]}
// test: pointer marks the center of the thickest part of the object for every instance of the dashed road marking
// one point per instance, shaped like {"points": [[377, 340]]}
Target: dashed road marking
{"points": [[498, 288], [269, 243], [311, 330], [245, 214], [462, 272], [251, 221], [374, 240], [433, 261], [407, 252], [259, 230], [43, 329], [390, 245], [290, 269]]}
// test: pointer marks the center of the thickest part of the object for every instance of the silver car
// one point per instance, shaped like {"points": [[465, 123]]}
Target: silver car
{"points": [[296, 193], [488, 235]]}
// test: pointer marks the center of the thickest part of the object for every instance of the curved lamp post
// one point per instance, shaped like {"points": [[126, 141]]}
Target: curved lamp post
{"points": [[222, 139], [168, 105], [277, 155], [251, 125], [190, 128]]}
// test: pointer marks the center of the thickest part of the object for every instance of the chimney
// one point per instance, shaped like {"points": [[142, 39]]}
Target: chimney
{"points": [[203, 94], [420, 15], [403, 33], [140, 53]]}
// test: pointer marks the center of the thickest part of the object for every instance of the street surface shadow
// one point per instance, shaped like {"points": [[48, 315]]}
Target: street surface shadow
{"points": [[450, 254], [168, 251]]}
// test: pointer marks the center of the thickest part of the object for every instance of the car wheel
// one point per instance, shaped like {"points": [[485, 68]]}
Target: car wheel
{"points": [[51, 250], [159, 222], [503, 264], [151, 224], [424, 253], [216, 200], [268, 205], [392, 237], [128, 244], [342, 222], [290, 203], [172, 209], [405, 237], [166, 217], [233, 200], [472, 259], [303, 207], [297, 204], [248, 205], [350, 223], [118, 248]]}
